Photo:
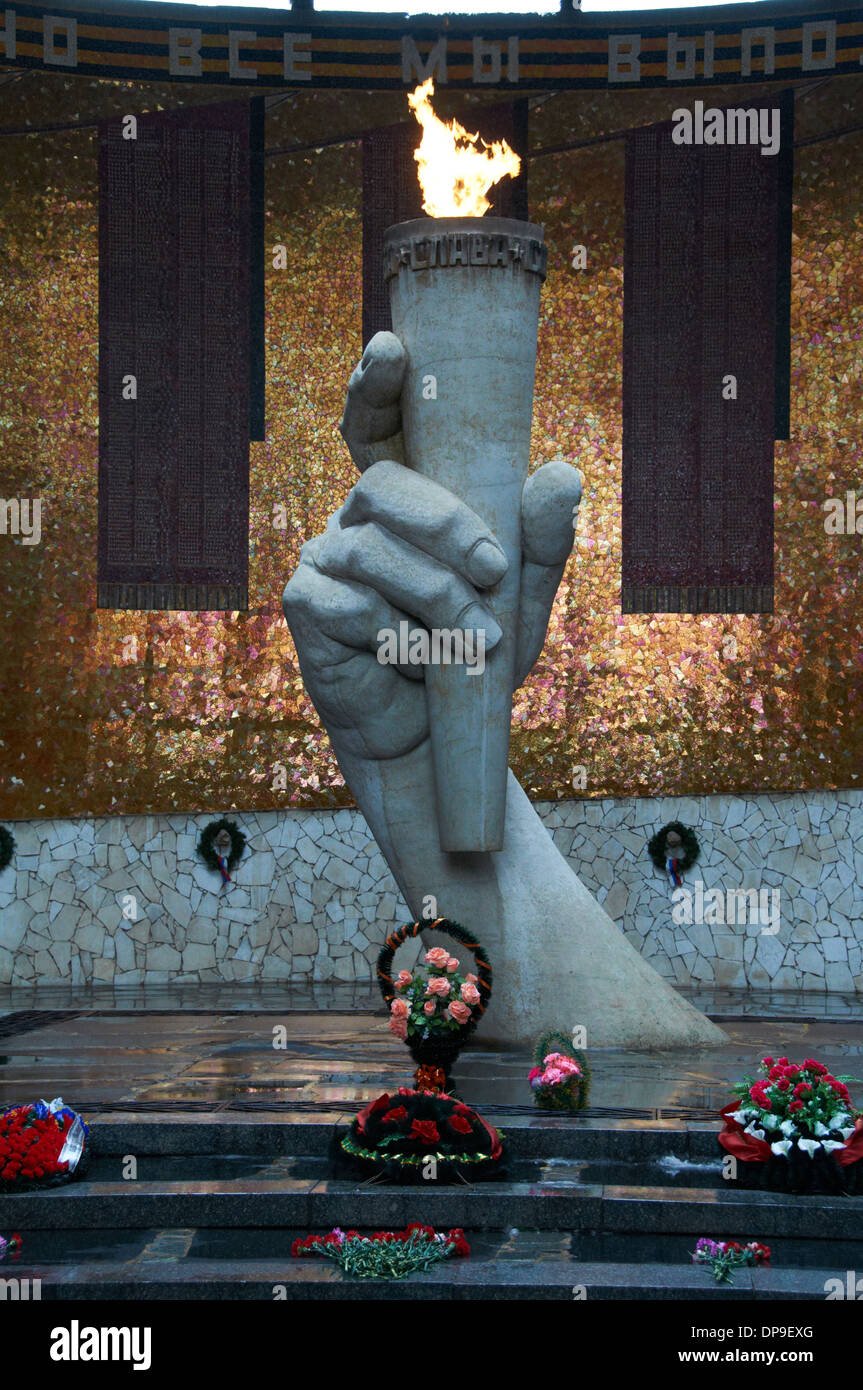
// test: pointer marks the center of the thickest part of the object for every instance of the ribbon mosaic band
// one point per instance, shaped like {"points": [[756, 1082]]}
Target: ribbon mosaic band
{"points": [[179, 44]]}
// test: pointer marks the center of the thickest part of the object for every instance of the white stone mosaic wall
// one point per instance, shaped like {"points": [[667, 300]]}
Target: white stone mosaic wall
{"points": [[312, 897], [808, 845]]}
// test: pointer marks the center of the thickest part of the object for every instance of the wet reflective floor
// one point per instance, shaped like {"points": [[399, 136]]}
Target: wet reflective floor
{"points": [[267, 1057], [228, 1100]]}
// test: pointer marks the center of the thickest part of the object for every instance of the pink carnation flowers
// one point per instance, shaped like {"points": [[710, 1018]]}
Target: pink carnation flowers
{"points": [[560, 1083], [556, 1068]]}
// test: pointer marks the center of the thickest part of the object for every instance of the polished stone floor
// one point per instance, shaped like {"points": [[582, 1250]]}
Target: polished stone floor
{"points": [[325, 1050]]}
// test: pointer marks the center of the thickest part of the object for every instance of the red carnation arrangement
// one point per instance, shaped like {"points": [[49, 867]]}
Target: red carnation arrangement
{"points": [[385, 1254], [794, 1128], [40, 1143]]}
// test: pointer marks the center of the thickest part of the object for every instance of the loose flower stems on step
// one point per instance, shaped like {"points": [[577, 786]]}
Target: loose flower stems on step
{"points": [[723, 1256], [386, 1254], [10, 1247]]}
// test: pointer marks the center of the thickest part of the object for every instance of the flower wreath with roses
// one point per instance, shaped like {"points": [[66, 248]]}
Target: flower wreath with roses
{"points": [[434, 1001], [418, 1136]]}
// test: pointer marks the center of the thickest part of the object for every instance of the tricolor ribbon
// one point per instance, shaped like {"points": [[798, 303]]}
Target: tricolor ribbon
{"points": [[223, 867], [76, 1135], [671, 866]]}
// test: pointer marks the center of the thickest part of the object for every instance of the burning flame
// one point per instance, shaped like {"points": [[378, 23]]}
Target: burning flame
{"points": [[454, 174]]}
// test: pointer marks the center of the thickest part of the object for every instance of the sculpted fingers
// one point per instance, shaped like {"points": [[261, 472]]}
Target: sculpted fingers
{"points": [[549, 504], [334, 625], [429, 517], [548, 514], [372, 411], [539, 584], [347, 613], [410, 580]]}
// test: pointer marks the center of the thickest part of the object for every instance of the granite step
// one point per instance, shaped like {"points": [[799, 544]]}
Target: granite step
{"points": [[320, 1203], [665, 1170], [237, 1247], [613, 1206], [318, 1279], [532, 1136]]}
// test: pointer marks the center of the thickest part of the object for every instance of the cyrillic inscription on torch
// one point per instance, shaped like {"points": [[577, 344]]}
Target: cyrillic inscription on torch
{"points": [[429, 252]]}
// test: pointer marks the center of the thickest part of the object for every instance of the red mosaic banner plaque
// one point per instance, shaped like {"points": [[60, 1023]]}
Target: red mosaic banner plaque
{"points": [[175, 359], [705, 380]]}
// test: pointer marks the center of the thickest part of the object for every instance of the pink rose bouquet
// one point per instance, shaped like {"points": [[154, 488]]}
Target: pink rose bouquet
{"points": [[434, 1000]]}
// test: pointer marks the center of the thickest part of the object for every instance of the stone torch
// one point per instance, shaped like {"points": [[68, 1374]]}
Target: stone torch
{"points": [[464, 296]]}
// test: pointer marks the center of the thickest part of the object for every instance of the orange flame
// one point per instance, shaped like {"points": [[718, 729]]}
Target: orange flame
{"points": [[454, 174]]}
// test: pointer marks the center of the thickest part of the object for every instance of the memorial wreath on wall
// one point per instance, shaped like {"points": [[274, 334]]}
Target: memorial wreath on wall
{"points": [[221, 847], [674, 849], [7, 847]]}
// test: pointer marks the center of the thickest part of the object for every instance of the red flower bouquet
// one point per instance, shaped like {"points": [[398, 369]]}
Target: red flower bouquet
{"points": [[41, 1144], [10, 1247], [794, 1129]]}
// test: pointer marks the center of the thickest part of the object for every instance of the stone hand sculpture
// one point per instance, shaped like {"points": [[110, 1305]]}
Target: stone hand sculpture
{"points": [[403, 549]]}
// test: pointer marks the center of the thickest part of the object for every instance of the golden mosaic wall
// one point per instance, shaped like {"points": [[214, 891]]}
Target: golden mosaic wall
{"points": [[122, 712]]}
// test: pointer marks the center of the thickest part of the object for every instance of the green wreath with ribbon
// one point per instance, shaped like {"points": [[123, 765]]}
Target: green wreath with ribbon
{"points": [[7, 847], [690, 848], [207, 846]]}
